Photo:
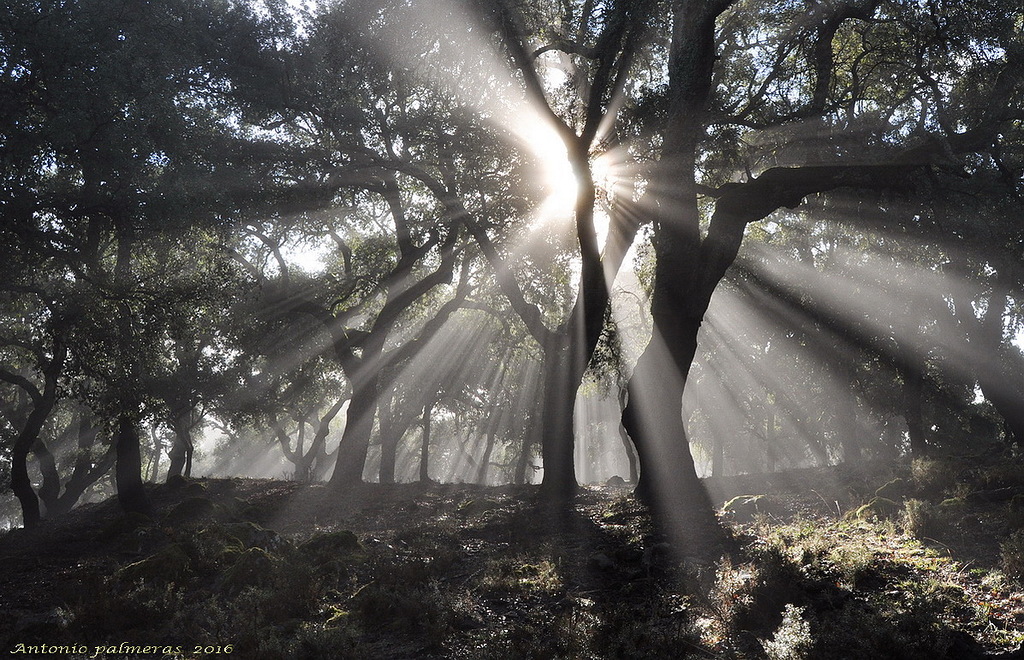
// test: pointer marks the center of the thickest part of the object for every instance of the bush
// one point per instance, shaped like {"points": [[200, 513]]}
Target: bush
{"points": [[792, 639], [920, 518], [932, 476]]}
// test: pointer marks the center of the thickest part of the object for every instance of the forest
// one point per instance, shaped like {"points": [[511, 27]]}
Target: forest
{"points": [[512, 328]]}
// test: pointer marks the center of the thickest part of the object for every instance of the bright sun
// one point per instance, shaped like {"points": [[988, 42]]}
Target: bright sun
{"points": [[557, 176], [556, 173]]}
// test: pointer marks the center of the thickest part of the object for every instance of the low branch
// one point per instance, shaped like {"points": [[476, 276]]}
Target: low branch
{"points": [[566, 46], [23, 383]]}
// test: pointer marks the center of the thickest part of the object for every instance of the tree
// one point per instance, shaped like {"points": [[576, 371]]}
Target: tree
{"points": [[99, 159], [830, 72]]}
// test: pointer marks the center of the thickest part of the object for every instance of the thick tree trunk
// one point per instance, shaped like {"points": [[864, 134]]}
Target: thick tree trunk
{"points": [[668, 483], [561, 381], [687, 270], [131, 492], [355, 442]]}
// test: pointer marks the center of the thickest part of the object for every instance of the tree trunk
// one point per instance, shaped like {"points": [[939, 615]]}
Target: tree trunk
{"points": [[561, 381], [771, 440], [846, 410], [84, 473], [717, 456], [523, 460], [687, 270], [627, 444], [317, 454], [355, 442], [131, 493], [43, 403], [913, 392], [152, 473], [668, 479], [999, 383], [20, 482], [180, 454], [49, 490], [389, 442], [425, 443], [485, 460], [128, 383]]}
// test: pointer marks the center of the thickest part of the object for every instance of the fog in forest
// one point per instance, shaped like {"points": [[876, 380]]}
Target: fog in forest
{"points": [[473, 313]]}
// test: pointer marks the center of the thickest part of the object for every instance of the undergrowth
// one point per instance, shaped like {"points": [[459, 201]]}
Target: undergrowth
{"points": [[493, 579]]}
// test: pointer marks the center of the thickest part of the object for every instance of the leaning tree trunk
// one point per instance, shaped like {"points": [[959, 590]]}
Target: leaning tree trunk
{"points": [[43, 403], [355, 441], [668, 482], [20, 482]]}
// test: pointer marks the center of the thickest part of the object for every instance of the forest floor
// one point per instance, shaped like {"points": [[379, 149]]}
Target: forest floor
{"points": [[921, 560]]}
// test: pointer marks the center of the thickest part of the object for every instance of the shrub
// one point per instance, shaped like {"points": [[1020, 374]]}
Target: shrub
{"points": [[919, 518], [792, 639], [932, 476]]}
